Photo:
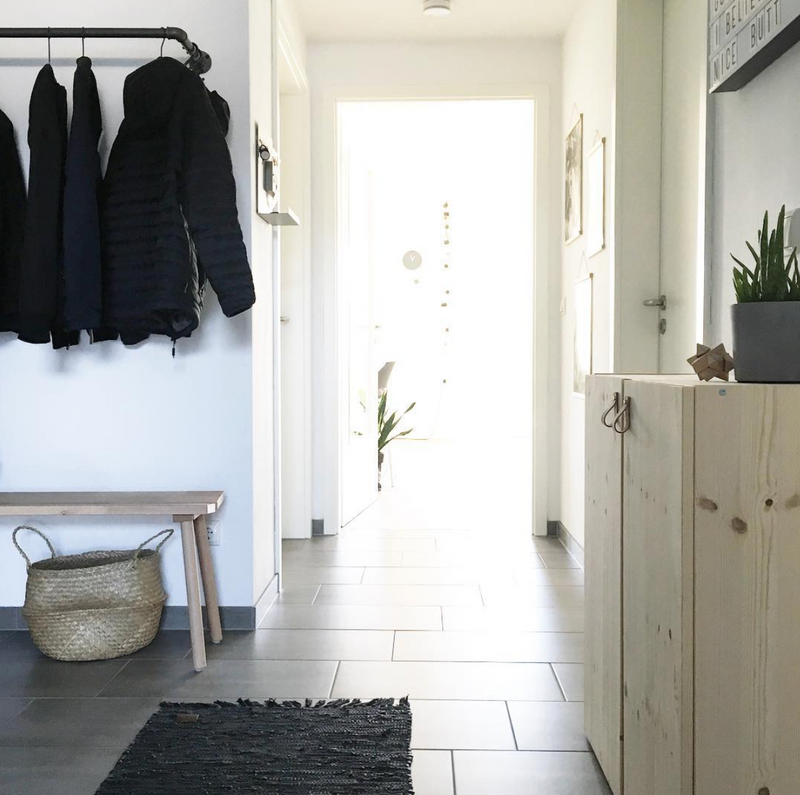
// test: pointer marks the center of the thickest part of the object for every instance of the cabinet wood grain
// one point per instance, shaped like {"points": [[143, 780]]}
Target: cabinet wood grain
{"points": [[747, 663], [603, 556], [657, 594]]}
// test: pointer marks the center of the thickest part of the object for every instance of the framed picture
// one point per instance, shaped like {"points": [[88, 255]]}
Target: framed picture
{"points": [[573, 184], [596, 199], [582, 341]]}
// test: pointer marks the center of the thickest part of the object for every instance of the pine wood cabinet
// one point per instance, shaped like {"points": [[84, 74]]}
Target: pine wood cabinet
{"points": [[692, 559]]}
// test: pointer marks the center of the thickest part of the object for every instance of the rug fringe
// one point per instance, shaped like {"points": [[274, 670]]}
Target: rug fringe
{"points": [[279, 704]]}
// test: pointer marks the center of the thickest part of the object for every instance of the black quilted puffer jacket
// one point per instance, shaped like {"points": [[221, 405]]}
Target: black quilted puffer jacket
{"points": [[169, 210]]}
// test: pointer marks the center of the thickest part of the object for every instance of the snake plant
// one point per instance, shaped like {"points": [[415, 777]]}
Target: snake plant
{"points": [[387, 425], [771, 278]]}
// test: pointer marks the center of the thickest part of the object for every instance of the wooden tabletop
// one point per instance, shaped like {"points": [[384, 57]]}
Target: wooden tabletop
{"points": [[110, 503]]}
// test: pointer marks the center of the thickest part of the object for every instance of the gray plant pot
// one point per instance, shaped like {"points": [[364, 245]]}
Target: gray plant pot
{"points": [[766, 342]]}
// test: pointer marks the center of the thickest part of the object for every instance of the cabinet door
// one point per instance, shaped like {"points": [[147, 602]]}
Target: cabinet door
{"points": [[657, 510], [747, 538], [603, 565]]}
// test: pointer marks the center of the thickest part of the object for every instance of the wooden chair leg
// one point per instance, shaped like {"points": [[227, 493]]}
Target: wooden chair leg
{"points": [[209, 583], [193, 593]]}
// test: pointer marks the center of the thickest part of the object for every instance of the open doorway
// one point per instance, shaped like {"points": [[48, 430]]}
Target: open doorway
{"points": [[435, 251]]}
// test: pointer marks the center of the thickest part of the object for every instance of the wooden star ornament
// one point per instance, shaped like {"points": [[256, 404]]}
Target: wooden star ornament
{"points": [[711, 363]]}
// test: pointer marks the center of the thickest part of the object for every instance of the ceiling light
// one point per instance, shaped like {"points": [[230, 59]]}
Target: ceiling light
{"points": [[436, 8]]}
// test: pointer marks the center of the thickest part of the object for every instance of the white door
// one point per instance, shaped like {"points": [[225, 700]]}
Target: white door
{"points": [[683, 182], [358, 420], [660, 184]]}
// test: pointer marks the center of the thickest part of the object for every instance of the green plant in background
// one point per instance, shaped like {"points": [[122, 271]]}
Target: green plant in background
{"points": [[771, 279], [387, 425]]}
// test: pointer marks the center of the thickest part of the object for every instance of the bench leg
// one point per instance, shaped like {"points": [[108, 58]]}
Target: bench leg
{"points": [[209, 583], [193, 593]]}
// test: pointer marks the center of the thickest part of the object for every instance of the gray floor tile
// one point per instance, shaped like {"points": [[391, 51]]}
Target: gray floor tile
{"points": [[547, 544], [224, 679], [531, 576], [351, 617], [570, 677], [55, 771], [79, 722], [168, 645], [365, 543], [298, 594], [46, 678], [303, 644], [400, 595], [490, 646], [505, 619], [172, 644], [461, 559], [548, 725], [461, 724], [19, 646], [406, 532], [532, 595], [316, 575], [451, 575], [559, 560], [349, 558], [447, 681], [432, 773], [527, 773], [11, 707]]}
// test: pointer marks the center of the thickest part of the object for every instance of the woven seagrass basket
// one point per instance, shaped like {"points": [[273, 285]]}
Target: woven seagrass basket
{"points": [[93, 606]]}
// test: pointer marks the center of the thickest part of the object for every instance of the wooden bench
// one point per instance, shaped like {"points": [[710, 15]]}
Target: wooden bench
{"points": [[188, 508]]}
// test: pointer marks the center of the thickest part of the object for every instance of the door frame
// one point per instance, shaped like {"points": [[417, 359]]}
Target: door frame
{"points": [[542, 427], [299, 96]]}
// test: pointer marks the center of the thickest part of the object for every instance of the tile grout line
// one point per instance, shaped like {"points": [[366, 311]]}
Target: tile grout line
{"points": [[316, 593], [108, 683], [511, 723], [333, 682], [17, 714], [558, 682]]}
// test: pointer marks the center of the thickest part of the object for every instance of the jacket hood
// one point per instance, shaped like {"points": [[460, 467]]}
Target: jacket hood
{"points": [[150, 92]]}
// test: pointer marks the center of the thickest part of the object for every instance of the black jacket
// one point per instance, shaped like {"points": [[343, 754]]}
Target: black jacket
{"points": [[40, 271], [12, 216], [169, 201], [82, 297]]}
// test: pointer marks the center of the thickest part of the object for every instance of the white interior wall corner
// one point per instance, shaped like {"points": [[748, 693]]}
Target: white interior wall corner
{"points": [[261, 87]]}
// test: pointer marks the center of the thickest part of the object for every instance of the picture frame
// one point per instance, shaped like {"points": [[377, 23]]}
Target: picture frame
{"points": [[573, 183], [582, 346], [596, 199]]}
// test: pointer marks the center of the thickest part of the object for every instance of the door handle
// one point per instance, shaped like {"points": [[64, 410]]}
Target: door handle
{"points": [[613, 407], [622, 422], [660, 302]]}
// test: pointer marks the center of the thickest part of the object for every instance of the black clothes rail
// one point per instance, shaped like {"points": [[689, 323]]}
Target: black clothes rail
{"points": [[199, 61]]}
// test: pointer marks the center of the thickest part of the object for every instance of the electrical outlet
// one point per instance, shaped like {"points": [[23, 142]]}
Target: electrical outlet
{"points": [[214, 530]]}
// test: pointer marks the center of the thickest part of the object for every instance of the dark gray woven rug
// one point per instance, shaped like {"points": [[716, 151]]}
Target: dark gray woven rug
{"points": [[327, 748]]}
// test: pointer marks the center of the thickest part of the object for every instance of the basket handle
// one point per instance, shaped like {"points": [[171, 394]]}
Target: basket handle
{"points": [[38, 533], [168, 532]]}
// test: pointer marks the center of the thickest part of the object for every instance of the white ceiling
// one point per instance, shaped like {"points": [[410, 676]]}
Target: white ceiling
{"points": [[376, 20]]}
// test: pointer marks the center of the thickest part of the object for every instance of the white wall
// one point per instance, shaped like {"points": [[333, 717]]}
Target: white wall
{"points": [[453, 67], [588, 86], [752, 172], [109, 417]]}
